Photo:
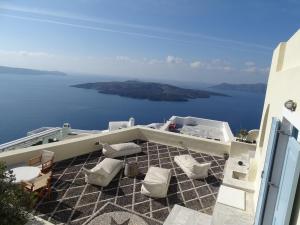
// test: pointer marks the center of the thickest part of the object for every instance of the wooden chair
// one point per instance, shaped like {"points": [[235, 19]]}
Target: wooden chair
{"points": [[43, 161], [39, 185]]}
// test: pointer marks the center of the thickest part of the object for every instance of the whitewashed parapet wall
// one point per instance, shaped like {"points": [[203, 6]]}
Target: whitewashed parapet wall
{"points": [[69, 148], [82, 145]]}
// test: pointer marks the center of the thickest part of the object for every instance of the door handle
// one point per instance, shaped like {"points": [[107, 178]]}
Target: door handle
{"points": [[272, 185]]}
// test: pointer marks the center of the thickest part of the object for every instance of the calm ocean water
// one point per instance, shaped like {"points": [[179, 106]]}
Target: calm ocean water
{"points": [[30, 102]]}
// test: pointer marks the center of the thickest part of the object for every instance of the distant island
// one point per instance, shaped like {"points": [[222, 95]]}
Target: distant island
{"points": [[147, 90], [14, 70], [257, 87]]}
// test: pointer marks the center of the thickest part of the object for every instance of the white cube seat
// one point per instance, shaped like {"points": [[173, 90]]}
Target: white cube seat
{"points": [[156, 182], [191, 167]]}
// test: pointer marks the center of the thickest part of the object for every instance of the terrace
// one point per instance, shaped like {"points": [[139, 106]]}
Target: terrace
{"points": [[73, 201]]}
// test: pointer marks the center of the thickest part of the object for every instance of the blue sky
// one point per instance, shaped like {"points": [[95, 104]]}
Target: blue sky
{"points": [[205, 41]]}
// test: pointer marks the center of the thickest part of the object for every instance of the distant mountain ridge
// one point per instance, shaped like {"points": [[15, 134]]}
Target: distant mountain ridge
{"points": [[147, 90], [15, 70], [256, 87]]}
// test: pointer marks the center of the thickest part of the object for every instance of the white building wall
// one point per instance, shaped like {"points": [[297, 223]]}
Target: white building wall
{"points": [[283, 84]]}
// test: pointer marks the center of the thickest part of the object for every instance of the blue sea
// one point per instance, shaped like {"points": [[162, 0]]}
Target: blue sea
{"points": [[29, 102]]}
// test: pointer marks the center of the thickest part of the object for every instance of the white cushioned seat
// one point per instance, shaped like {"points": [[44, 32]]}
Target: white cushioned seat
{"points": [[104, 172], [156, 182], [122, 149], [191, 167]]}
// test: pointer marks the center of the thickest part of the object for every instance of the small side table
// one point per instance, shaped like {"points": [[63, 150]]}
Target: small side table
{"points": [[131, 169]]}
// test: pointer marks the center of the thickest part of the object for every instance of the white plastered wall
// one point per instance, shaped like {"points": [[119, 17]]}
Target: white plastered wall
{"points": [[283, 85]]}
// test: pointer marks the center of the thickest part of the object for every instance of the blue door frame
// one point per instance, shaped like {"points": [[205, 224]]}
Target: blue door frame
{"points": [[275, 201], [267, 171], [288, 184]]}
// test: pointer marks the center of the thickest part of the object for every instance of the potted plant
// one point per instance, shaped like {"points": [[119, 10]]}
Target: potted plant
{"points": [[226, 155], [242, 134], [16, 204]]}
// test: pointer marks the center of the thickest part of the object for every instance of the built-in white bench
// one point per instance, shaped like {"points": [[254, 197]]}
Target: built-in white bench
{"points": [[180, 215], [240, 176], [233, 206], [232, 197]]}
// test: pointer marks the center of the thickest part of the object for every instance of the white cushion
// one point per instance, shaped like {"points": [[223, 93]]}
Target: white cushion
{"points": [[104, 172], [101, 171], [156, 182], [47, 156], [153, 187], [157, 175], [187, 161], [109, 165], [201, 169], [191, 167], [122, 149], [87, 171], [108, 149]]}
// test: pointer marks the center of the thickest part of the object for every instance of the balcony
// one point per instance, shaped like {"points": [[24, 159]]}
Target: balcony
{"points": [[73, 201]]}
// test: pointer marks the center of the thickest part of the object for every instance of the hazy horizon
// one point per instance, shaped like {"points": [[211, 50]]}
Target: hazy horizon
{"points": [[108, 78]]}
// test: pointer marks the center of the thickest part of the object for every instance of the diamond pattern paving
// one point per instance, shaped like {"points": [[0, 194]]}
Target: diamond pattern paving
{"points": [[72, 201]]}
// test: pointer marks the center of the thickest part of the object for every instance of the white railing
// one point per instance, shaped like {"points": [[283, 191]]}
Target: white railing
{"points": [[29, 140], [78, 131]]}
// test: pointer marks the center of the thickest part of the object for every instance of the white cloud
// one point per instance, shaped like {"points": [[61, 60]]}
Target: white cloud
{"points": [[125, 59], [228, 68], [167, 68], [252, 68], [153, 61], [249, 63], [25, 53], [173, 59], [36, 60], [265, 70], [196, 64], [214, 64]]}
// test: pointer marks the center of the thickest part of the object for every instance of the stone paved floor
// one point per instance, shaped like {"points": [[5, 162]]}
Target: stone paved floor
{"points": [[73, 201]]}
